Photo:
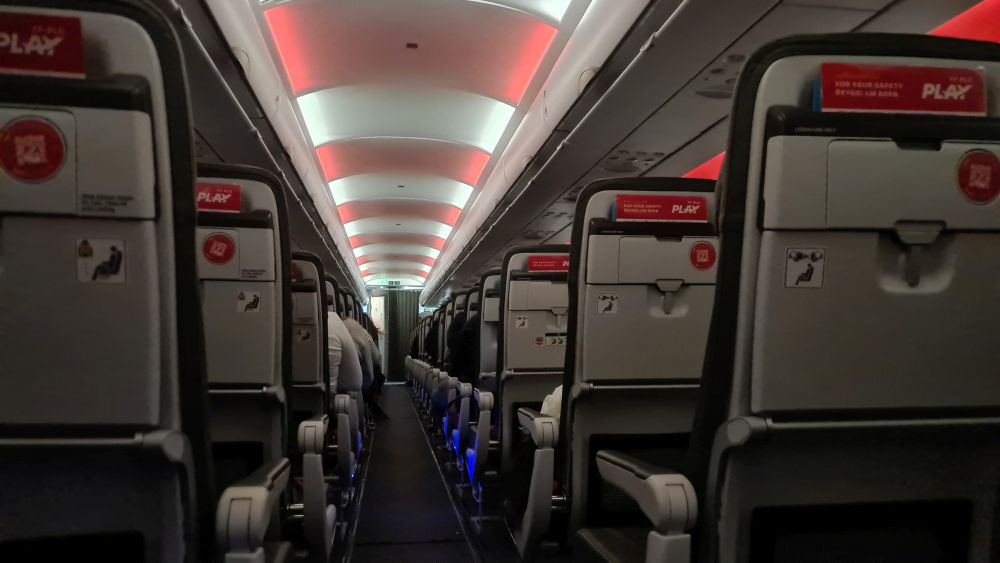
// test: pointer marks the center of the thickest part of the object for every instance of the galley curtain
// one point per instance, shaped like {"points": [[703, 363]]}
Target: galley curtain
{"points": [[401, 310]]}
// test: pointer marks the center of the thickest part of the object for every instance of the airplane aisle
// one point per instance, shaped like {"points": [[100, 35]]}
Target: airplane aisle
{"points": [[406, 513]]}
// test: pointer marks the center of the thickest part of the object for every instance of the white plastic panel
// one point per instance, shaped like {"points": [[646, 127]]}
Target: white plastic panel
{"points": [[239, 343], [870, 184], [400, 186], [875, 184], [527, 295], [113, 174], [403, 225], [401, 249], [253, 257], [548, 10], [354, 112], [383, 265], [616, 259]]}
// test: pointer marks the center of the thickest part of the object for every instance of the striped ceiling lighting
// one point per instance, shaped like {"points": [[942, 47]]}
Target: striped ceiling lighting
{"points": [[408, 105]]}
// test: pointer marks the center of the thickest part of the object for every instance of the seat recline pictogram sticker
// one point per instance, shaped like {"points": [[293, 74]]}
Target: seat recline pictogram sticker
{"points": [[607, 303], [804, 267], [100, 261], [248, 302]]}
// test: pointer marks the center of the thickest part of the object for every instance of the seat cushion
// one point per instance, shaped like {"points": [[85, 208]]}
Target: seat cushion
{"points": [[618, 545]]}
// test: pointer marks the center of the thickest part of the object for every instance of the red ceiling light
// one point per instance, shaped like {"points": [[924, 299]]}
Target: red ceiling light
{"points": [[440, 212], [291, 33], [980, 23], [529, 59], [433, 158]]}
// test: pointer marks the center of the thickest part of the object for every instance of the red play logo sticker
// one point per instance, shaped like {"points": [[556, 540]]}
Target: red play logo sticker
{"points": [[703, 256], [557, 263], [218, 248], [32, 150], [221, 198], [902, 89], [42, 45], [661, 208]]}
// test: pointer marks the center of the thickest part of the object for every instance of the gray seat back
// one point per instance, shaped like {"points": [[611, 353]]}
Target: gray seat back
{"points": [[243, 270], [310, 361], [851, 377], [489, 319], [102, 384], [641, 296], [532, 338]]}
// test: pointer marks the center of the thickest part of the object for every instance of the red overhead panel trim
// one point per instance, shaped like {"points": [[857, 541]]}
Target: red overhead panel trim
{"points": [[395, 258], [421, 156], [440, 212], [708, 170], [470, 46], [366, 239], [980, 23]]}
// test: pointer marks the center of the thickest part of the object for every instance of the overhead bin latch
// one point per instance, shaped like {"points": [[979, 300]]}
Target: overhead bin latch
{"points": [[560, 313], [669, 288], [916, 237]]}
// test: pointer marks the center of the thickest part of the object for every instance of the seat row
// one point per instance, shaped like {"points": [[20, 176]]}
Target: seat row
{"points": [[794, 364], [166, 391]]}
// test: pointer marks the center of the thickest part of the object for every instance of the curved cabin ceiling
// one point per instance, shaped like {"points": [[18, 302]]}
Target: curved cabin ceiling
{"points": [[409, 105]]}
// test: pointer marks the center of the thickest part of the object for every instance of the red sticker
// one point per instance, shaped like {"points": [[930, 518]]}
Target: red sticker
{"points": [[31, 149], [661, 208], [41, 45], [555, 263], [218, 248], [703, 256], [979, 176], [221, 198], [903, 89]]}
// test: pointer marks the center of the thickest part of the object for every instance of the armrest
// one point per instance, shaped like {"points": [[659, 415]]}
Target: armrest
{"points": [[666, 497], [246, 507], [544, 430], [484, 399], [342, 404], [312, 434]]}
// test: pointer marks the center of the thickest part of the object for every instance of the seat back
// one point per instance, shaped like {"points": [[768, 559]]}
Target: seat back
{"points": [[489, 319], [532, 344], [472, 302], [349, 309], [310, 362], [851, 376], [641, 292], [341, 301], [103, 443], [245, 284]]}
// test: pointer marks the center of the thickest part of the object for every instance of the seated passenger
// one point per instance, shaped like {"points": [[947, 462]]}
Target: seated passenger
{"points": [[465, 358], [453, 339], [431, 343], [371, 360], [345, 363]]}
